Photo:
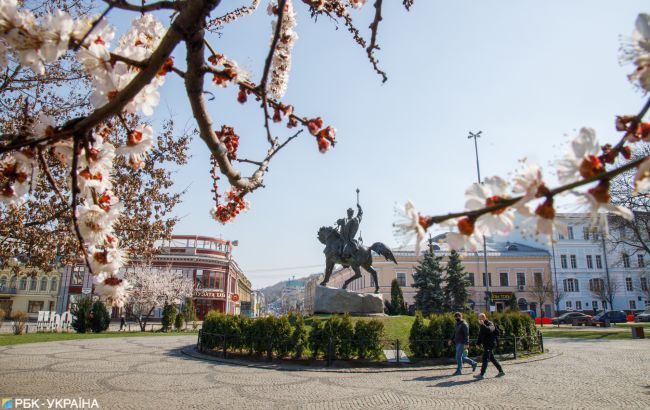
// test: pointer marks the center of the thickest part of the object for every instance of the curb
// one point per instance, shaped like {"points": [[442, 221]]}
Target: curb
{"points": [[191, 351]]}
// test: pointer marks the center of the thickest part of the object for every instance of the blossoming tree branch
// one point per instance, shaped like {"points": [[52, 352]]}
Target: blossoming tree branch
{"points": [[586, 171], [78, 150]]}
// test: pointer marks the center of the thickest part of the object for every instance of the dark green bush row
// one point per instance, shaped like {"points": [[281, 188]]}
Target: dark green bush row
{"points": [[431, 341], [287, 336], [90, 316]]}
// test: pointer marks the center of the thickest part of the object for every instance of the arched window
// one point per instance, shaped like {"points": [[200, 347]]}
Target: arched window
{"points": [[571, 285], [23, 283], [523, 304], [32, 284], [53, 285], [596, 285], [43, 284], [3, 282], [12, 282]]}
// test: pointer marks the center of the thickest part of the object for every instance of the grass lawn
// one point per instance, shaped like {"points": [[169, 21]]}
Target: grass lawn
{"points": [[10, 339]]}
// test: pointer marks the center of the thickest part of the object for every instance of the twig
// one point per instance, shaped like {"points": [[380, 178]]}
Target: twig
{"points": [[267, 68], [159, 5], [75, 191], [373, 40], [50, 178], [92, 27]]}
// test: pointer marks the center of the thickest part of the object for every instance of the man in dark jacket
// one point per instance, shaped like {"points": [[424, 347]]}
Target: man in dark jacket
{"points": [[461, 340], [487, 337]]}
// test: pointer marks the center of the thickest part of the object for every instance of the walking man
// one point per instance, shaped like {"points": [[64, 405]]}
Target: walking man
{"points": [[487, 337], [461, 340]]}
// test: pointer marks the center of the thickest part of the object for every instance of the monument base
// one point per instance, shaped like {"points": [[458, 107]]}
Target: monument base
{"points": [[334, 300]]}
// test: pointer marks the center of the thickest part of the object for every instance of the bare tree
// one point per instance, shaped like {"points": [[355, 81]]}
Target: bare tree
{"points": [[604, 290], [542, 292]]}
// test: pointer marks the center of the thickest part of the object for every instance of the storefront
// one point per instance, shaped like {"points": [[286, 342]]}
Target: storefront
{"points": [[205, 301], [501, 300]]}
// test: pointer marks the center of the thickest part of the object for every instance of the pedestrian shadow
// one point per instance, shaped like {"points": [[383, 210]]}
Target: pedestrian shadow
{"points": [[452, 383], [430, 378]]}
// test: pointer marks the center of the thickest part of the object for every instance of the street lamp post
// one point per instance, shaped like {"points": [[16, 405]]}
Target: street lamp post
{"points": [[486, 275]]}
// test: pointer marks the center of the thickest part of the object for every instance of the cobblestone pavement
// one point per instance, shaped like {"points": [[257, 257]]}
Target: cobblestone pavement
{"points": [[152, 373]]}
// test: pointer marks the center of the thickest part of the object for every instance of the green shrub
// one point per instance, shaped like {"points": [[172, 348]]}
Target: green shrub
{"points": [[298, 336], [343, 334], [100, 318], [317, 342], [188, 310], [419, 340], [367, 338], [168, 316], [180, 321], [81, 315], [216, 327], [281, 336]]}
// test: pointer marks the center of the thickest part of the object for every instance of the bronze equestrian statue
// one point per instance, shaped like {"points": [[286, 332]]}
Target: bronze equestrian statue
{"points": [[342, 248]]}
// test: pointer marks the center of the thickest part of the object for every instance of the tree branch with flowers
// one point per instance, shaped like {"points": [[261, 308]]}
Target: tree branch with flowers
{"points": [[80, 148], [490, 207]]}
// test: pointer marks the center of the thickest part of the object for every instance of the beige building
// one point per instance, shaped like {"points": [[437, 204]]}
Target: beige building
{"points": [[27, 292], [513, 268]]}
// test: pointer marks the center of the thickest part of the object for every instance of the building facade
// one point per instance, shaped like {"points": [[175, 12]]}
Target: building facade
{"points": [[591, 274], [218, 279], [513, 269], [29, 293]]}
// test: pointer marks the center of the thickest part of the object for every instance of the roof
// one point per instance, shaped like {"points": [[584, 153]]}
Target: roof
{"points": [[494, 248]]}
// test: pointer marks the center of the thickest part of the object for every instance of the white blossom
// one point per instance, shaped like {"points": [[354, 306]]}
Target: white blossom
{"points": [[642, 178], [408, 225], [96, 223], [281, 63], [489, 193], [584, 145], [597, 210]]}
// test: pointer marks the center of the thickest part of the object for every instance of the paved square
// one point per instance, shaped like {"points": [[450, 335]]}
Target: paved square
{"points": [[152, 373]]}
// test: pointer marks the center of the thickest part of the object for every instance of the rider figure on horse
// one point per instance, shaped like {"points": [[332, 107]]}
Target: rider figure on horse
{"points": [[348, 228]]}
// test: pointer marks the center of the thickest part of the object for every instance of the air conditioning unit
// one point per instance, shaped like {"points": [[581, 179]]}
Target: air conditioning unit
{"points": [[521, 287]]}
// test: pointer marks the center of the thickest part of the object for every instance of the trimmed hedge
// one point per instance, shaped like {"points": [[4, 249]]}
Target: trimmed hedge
{"points": [[431, 341], [286, 336]]}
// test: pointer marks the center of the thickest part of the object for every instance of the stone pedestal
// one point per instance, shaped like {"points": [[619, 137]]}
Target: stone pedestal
{"points": [[333, 300]]}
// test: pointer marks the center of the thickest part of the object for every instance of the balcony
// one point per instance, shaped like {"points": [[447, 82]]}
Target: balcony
{"points": [[4, 290]]}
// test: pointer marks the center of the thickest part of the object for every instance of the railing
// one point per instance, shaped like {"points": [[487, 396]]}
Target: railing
{"points": [[509, 346]]}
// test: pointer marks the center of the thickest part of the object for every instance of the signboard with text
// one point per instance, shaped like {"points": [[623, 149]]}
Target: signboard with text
{"points": [[501, 296], [209, 294]]}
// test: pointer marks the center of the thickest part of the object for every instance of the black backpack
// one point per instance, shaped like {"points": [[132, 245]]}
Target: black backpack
{"points": [[497, 332]]}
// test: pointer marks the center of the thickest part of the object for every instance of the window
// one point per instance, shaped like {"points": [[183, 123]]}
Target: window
{"points": [[569, 305], [503, 278], [594, 304], [596, 285], [489, 276], [574, 262], [43, 284], [521, 279], [538, 278], [560, 236], [33, 306], [644, 284], [570, 231], [23, 283], [53, 285], [590, 262], [626, 260], [32, 284], [372, 282], [3, 282], [595, 234], [470, 278], [640, 260], [585, 235], [78, 275], [628, 284], [578, 305], [12, 282], [571, 285], [563, 262], [633, 304], [599, 262], [401, 278]]}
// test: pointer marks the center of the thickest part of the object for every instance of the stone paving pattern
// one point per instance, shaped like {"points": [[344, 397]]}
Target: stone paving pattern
{"points": [[153, 373]]}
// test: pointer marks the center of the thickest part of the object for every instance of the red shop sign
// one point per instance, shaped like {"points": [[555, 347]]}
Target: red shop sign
{"points": [[234, 297]]}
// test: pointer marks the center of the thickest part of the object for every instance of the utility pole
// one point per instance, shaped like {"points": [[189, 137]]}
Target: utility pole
{"points": [[555, 298], [609, 290], [486, 274]]}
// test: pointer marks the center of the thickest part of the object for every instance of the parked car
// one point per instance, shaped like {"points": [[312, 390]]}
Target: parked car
{"points": [[569, 317], [613, 316], [643, 316]]}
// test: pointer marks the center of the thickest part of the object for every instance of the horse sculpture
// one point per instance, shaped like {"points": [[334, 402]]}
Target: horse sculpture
{"points": [[329, 237]]}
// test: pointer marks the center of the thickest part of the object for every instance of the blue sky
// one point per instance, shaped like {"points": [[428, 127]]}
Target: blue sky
{"points": [[528, 74]]}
